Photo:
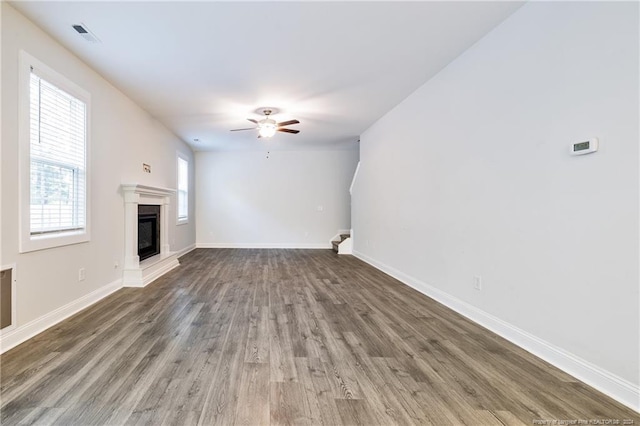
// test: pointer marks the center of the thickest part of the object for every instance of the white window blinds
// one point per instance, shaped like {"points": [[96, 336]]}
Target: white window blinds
{"points": [[183, 189], [57, 173]]}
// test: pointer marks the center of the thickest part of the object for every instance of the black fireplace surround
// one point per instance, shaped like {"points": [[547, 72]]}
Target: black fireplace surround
{"points": [[148, 231]]}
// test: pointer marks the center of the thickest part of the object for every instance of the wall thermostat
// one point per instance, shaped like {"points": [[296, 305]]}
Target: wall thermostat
{"points": [[586, 147]]}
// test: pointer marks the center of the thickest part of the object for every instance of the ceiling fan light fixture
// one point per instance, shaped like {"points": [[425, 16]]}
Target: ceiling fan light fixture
{"points": [[267, 128]]}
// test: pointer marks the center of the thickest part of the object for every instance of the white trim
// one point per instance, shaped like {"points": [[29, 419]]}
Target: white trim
{"points": [[606, 382], [27, 242], [1, 141], [185, 250], [346, 246], [22, 333], [14, 313], [266, 245], [146, 190]]}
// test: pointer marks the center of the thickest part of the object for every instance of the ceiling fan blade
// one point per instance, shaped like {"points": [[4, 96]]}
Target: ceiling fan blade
{"points": [[239, 130], [289, 131], [252, 120], [288, 123]]}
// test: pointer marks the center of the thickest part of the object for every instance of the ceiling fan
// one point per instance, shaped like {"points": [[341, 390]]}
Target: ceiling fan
{"points": [[268, 127]]}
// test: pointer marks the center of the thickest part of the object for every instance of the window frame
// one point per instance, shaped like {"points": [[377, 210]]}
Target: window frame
{"points": [[185, 158], [29, 242]]}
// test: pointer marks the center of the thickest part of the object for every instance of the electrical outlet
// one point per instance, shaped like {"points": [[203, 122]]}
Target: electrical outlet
{"points": [[82, 274], [477, 282]]}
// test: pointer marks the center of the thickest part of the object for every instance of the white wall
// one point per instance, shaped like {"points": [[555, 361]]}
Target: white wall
{"points": [[1, 261], [123, 136], [471, 175], [260, 199]]}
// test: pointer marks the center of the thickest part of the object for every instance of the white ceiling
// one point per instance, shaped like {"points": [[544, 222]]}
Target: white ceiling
{"points": [[202, 68]]}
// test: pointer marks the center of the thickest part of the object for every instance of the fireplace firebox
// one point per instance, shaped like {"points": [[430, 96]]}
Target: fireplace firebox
{"points": [[148, 231]]}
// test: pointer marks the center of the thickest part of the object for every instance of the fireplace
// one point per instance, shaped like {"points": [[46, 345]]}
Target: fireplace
{"points": [[148, 230], [146, 234]]}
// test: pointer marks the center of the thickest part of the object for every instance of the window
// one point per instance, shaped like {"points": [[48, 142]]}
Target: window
{"points": [[183, 189], [54, 147]]}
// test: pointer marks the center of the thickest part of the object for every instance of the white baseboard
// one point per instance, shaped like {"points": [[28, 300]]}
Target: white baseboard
{"points": [[606, 382], [185, 250], [266, 245], [24, 332]]}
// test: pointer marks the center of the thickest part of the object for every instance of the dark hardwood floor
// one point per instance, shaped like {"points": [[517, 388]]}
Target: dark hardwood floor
{"points": [[282, 337]]}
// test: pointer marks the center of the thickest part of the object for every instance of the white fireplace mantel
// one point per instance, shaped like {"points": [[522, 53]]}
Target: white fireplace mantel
{"points": [[136, 273]]}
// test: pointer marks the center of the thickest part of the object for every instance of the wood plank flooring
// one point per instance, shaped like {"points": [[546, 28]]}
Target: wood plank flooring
{"points": [[296, 337]]}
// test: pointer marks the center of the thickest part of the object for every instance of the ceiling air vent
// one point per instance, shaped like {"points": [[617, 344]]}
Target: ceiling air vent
{"points": [[85, 33]]}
